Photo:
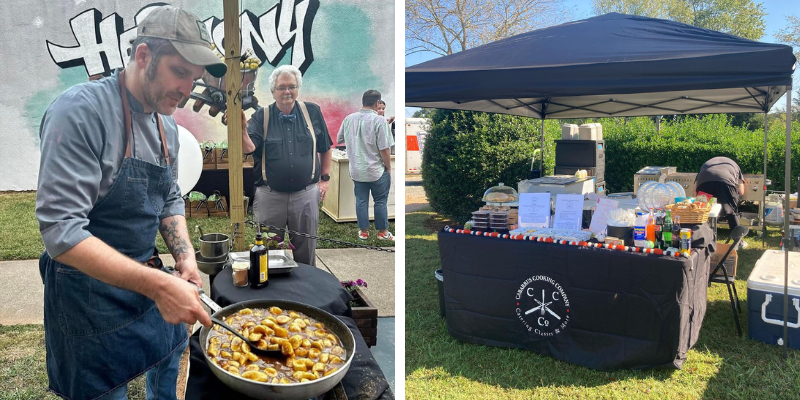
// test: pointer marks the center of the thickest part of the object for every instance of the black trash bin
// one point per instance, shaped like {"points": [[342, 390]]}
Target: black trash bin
{"points": [[440, 284]]}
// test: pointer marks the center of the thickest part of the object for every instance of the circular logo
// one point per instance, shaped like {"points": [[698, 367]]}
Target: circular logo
{"points": [[542, 306]]}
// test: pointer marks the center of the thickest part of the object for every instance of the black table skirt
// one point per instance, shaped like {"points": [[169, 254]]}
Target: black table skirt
{"points": [[364, 380], [604, 309], [218, 180]]}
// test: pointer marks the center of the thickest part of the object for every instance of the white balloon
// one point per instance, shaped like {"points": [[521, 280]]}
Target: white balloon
{"points": [[190, 161]]}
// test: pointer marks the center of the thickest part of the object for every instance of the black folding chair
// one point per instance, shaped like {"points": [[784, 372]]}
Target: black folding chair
{"points": [[736, 235]]}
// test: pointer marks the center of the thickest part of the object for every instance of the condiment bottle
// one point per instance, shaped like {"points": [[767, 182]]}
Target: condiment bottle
{"points": [[259, 269]]}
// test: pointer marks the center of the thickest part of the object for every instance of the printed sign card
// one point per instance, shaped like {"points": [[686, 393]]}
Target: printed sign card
{"points": [[534, 210], [569, 211], [599, 218]]}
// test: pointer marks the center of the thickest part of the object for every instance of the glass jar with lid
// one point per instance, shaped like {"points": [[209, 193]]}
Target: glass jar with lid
{"points": [[500, 194], [239, 269]]}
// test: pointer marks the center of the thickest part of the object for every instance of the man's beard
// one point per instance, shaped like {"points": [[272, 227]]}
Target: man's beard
{"points": [[150, 89]]}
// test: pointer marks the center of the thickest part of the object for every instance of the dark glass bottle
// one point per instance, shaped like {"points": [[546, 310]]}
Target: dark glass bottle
{"points": [[676, 232], [658, 231], [259, 264]]}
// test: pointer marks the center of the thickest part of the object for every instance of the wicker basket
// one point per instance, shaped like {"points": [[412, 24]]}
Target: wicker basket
{"points": [[688, 214]]}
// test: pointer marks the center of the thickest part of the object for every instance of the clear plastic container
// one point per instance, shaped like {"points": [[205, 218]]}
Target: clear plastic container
{"points": [[500, 194]]}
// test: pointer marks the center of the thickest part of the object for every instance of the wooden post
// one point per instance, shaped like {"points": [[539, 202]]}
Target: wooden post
{"points": [[233, 83]]}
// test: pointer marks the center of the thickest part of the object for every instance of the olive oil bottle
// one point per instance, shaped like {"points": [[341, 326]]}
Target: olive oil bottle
{"points": [[259, 264]]}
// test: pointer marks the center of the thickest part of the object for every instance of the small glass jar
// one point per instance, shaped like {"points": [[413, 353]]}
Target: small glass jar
{"points": [[239, 271]]}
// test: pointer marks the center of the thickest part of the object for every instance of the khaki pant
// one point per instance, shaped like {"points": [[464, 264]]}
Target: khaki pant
{"points": [[297, 211]]}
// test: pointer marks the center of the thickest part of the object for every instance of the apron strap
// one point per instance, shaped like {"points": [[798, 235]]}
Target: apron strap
{"points": [[264, 145], [163, 138], [310, 127], [307, 117], [126, 110]]}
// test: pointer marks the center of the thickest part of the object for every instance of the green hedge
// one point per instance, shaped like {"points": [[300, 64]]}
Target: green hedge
{"points": [[466, 153], [633, 143]]}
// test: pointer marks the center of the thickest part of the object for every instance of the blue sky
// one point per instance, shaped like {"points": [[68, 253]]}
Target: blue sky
{"points": [[777, 11]]}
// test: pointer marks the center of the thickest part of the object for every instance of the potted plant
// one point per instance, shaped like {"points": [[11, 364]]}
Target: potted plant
{"points": [[274, 242], [365, 313]]}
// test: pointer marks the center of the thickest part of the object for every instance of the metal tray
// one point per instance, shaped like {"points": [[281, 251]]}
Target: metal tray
{"points": [[279, 261]]}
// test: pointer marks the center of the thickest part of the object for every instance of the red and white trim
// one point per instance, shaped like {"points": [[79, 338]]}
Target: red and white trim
{"points": [[632, 249]]}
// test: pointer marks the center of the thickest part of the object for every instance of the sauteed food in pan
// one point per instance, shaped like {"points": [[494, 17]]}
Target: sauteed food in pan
{"points": [[310, 350]]}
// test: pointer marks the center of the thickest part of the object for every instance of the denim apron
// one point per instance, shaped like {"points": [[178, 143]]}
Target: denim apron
{"points": [[98, 337]]}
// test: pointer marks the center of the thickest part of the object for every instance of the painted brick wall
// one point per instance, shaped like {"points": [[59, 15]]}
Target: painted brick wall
{"points": [[344, 47]]}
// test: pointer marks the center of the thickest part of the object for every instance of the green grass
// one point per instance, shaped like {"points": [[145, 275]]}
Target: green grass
{"points": [[23, 374], [720, 366], [21, 240]]}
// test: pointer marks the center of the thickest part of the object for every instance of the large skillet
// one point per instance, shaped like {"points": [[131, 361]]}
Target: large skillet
{"points": [[291, 391]]}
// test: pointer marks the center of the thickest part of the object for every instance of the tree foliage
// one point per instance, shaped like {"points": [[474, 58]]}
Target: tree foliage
{"points": [[445, 27], [791, 34], [468, 152], [743, 18], [423, 113]]}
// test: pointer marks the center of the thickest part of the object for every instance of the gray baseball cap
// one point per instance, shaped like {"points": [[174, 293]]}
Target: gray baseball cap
{"points": [[187, 33]]}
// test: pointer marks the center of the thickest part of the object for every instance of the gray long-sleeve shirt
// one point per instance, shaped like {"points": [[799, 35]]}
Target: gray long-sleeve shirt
{"points": [[82, 148]]}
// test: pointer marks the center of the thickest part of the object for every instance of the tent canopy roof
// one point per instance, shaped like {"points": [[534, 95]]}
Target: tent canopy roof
{"points": [[609, 65]]}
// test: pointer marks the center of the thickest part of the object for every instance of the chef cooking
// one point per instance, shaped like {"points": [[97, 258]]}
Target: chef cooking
{"points": [[106, 187]]}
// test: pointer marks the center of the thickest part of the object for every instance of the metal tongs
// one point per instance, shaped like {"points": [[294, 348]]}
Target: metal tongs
{"points": [[253, 345], [215, 308]]}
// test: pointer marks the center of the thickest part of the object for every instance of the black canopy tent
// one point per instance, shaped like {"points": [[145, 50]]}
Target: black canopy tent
{"points": [[613, 65]]}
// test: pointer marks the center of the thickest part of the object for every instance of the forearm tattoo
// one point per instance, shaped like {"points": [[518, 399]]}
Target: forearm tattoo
{"points": [[172, 237]]}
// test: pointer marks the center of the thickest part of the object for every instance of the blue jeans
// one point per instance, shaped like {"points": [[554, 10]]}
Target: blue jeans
{"points": [[380, 193], [162, 379]]}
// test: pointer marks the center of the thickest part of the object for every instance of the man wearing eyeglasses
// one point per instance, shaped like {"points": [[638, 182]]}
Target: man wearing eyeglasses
{"points": [[292, 161]]}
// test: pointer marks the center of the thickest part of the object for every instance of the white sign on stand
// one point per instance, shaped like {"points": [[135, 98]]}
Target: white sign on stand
{"points": [[569, 211], [534, 210], [600, 216]]}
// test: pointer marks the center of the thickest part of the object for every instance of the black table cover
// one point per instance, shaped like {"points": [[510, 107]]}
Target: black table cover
{"points": [[306, 284], [310, 285], [604, 309]]}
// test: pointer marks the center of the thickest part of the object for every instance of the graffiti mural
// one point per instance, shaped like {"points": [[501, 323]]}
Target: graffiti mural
{"points": [[343, 47], [104, 45]]}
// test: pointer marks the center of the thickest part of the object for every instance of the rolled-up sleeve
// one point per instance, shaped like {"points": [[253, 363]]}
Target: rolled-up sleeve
{"points": [[384, 135], [324, 141], [255, 129], [69, 172]]}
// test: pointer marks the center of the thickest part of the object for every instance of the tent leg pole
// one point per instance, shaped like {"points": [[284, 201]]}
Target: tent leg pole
{"points": [[787, 244], [541, 152], [761, 209]]}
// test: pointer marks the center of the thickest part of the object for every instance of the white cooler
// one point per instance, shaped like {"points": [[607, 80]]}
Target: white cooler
{"points": [[569, 132], [593, 131], [765, 299]]}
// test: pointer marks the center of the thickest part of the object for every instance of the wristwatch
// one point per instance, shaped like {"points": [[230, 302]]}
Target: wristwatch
{"points": [[325, 177]]}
